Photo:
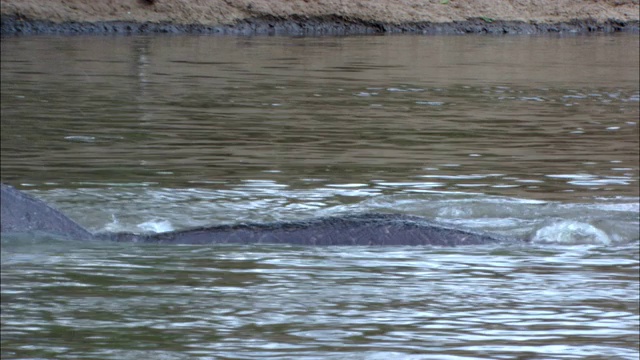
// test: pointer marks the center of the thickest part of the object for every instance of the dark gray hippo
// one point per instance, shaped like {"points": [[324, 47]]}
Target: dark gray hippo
{"points": [[22, 213]]}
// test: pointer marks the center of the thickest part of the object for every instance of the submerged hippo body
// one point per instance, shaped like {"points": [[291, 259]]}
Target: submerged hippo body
{"points": [[22, 213]]}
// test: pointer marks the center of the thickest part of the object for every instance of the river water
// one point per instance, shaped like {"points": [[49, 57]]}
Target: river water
{"points": [[526, 137]]}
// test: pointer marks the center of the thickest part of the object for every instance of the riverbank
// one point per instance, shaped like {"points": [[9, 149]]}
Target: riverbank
{"points": [[322, 17]]}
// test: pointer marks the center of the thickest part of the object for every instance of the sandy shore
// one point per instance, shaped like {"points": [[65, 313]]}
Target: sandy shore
{"points": [[314, 17]]}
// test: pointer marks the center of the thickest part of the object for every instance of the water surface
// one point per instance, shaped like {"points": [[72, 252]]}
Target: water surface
{"points": [[527, 137]]}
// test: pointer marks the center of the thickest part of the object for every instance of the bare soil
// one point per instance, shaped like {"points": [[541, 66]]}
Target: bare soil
{"points": [[318, 16]]}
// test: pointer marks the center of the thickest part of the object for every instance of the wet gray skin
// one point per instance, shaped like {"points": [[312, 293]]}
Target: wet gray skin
{"points": [[22, 213]]}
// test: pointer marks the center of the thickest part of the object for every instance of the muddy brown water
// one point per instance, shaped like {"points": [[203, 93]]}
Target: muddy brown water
{"points": [[522, 136]]}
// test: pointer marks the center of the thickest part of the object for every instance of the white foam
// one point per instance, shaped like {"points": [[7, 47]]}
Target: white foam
{"points": [[571, 233], [156, 226]]}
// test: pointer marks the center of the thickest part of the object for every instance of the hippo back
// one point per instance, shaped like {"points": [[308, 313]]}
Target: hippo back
{"points": [[22, 213]]}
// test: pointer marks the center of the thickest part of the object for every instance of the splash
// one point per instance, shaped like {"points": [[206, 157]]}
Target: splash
{"points": [[571, 232], [156, 226]]}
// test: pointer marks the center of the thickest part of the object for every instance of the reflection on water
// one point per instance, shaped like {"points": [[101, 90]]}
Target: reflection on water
{"points": [[540, 117], [528, 137], [151, 133], [126, 302]]}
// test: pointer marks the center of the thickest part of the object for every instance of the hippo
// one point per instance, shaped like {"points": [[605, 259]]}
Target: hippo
{"points": [[23, 214]]}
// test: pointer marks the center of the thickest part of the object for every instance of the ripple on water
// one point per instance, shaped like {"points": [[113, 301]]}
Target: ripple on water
{"points": [[287, 302], [190, 133]]}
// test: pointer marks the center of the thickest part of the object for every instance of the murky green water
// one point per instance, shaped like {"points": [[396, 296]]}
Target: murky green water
{"points": [[127, 302], [523, 136]]}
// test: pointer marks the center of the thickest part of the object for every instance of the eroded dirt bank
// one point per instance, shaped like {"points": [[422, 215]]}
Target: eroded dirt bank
{"points": [[297, 17]]}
